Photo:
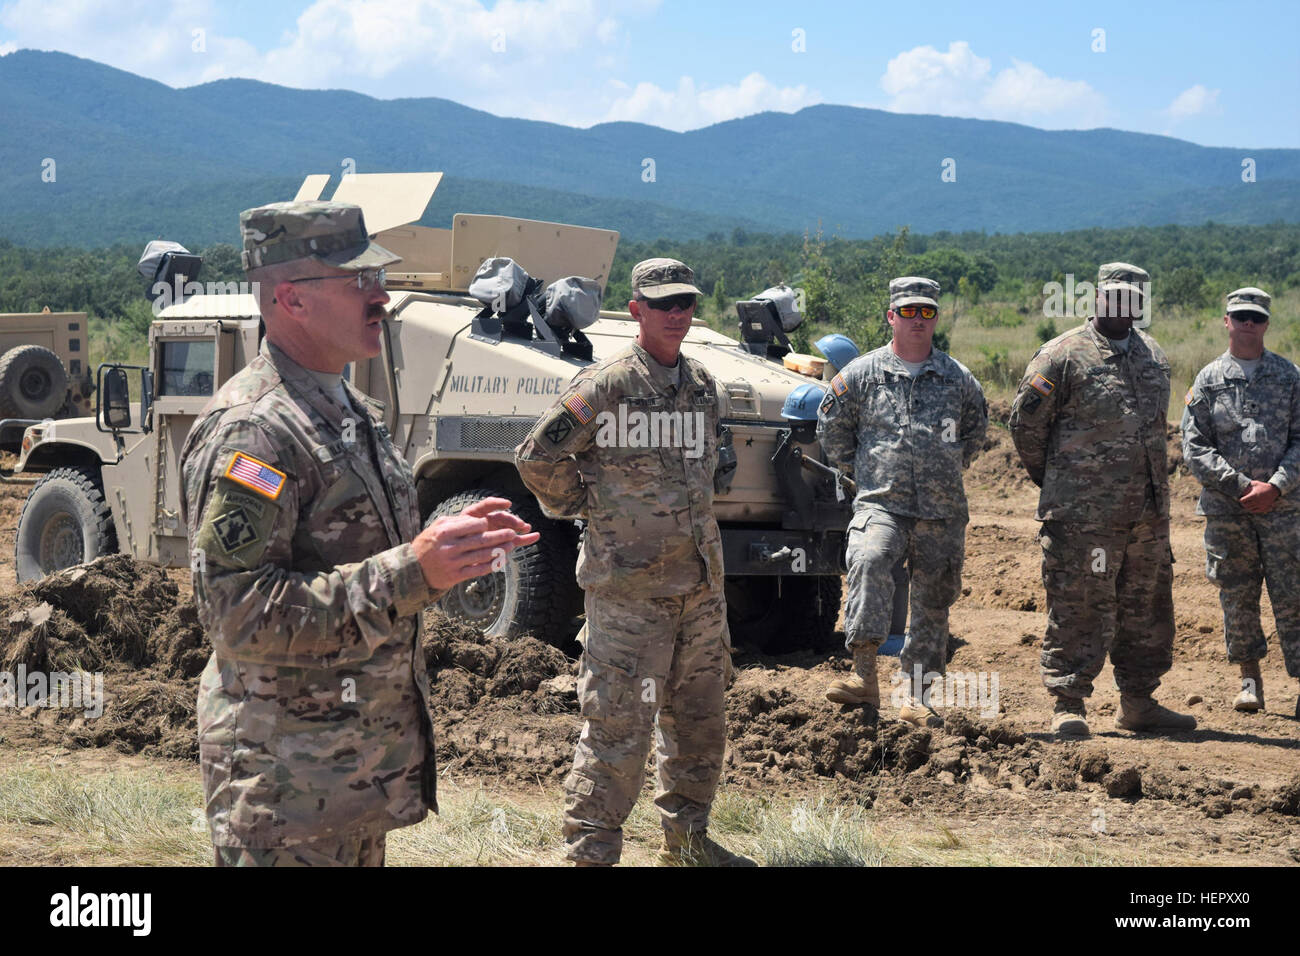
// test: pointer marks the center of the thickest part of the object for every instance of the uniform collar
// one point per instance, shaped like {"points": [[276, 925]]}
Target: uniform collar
{"points": [[1109, 349], [662, 378], [1231, 369], [304, 383], [931, 360]]}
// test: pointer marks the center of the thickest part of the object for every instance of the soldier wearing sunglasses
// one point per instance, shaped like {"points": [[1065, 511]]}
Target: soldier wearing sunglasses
{"points": [[1241, 439], [1089, 424], [906, 419]]}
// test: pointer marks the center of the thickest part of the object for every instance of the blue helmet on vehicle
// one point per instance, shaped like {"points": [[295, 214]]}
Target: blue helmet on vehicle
{"points": [[838, 349], [802, 403]]}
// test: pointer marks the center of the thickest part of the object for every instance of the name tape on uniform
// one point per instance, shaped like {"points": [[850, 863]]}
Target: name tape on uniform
{"points": [[257, 475]]}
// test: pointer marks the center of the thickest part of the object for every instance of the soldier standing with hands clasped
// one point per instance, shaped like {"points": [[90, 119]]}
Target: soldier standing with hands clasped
{"points": [[656, 649], [1241, 439], [1089, 424], [310, 568]]}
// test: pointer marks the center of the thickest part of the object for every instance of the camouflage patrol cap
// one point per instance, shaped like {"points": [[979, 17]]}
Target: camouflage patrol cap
{"points": [[332, 232], [1249, 299], [657, 278], [1122, 276], [913, 290]]}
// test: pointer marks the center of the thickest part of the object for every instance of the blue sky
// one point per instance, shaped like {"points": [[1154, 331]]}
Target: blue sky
{"points": [[1214, 73]]}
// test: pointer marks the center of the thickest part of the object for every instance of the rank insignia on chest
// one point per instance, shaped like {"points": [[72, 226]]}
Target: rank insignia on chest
{"points": [[257, 475], [581, 410], [838, 385], [1042, 385]]}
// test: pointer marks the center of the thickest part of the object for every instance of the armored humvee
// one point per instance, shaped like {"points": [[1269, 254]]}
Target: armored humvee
{"points": [[460, 390], [43, 370]]}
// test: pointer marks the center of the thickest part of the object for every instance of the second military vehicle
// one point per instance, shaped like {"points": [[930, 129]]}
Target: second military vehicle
{"points": [[43, 370], [461, 386]]}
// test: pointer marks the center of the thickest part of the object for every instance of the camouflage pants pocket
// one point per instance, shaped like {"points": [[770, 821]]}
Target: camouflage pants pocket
{"points": [[607, 678]]}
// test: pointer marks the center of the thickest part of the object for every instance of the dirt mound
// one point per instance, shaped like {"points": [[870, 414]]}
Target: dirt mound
{"points": [[123, 620]]}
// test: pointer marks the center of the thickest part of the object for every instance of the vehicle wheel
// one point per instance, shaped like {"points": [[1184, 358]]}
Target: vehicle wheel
{"points": [[537, 593], [33, 383], [780, 615], [65, 521]]}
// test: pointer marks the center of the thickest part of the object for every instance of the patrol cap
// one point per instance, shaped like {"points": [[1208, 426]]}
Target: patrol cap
{"points": [[913, 290], [1249, 299], [331, 232], [659, 278], [1121, 276]]}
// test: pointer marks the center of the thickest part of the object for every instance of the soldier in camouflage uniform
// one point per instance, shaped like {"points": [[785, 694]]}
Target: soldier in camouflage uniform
{"points": [[310, 569], [904, 420], [1089, 424], [1241, 439], [656, 649]]}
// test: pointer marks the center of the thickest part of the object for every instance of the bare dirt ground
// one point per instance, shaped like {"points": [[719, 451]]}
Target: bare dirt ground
{"points": [[506, 714]]}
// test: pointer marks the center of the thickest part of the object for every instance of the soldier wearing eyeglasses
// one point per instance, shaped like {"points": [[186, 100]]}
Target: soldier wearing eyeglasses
{"points": [[904, 420], [1241, 439], [310, 569], [1088, 423]]}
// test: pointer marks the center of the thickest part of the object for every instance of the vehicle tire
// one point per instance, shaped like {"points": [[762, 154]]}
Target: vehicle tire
{"points": [[537, 593], [33, 383], [799, 614], [65, 521]]}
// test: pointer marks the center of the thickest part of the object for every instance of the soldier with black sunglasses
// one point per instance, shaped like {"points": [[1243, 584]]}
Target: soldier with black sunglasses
{"points": [[1241, 439]]}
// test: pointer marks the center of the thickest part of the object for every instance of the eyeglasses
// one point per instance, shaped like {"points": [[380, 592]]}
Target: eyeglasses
{"points": [[366, 279], [1259, 318], [909, 311], [683, 302]]}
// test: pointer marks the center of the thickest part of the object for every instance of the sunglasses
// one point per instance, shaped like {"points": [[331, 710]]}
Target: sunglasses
{"points": [[909, 311], [683, 302], [366, 279], [1243, 317]]}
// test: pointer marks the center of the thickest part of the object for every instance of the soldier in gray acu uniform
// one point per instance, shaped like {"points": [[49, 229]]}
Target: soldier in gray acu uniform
{"points": [[310, 568], [1241, 439], [1089, 424], [906, 419], [656, 650]]}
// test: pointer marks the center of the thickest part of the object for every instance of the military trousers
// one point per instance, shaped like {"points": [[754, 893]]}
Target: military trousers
{"points": [[648, 663], [354, 850], [934, 550], [1109, 591], [1242, 552]]}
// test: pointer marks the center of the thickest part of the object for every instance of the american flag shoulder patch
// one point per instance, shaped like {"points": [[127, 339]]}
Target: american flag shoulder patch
{"points": [[1042, 384], [838, 385], [257, 475], [1187, 399], [581, 410]]}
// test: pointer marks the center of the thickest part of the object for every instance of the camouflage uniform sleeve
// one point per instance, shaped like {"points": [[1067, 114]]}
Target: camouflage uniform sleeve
{"points": [[837, 425], [1034, 410], [1207, 466], [253, 607], [974, 419], [546, 460], [1287, 474]]}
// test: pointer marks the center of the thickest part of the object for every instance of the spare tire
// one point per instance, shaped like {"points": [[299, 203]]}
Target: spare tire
{"points": [[33, 383], [65, 522]]}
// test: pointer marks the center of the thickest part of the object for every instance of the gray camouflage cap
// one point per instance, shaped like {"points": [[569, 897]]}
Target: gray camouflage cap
{"points": [[657, 278], [1123, 276], [913, 290], [332, 232], [1249, 299]]}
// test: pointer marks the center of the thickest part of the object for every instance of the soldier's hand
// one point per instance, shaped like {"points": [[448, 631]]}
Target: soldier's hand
{"points": [[455, 548], [1259, 498]]}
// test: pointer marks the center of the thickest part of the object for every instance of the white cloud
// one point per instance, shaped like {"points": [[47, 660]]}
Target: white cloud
{"points": [[961, 83], [689, 108], [1193, 101], [7, 48]]}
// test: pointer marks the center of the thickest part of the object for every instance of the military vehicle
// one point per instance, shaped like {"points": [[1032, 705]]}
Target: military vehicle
{"points": [[43, 370], [461, 387]]}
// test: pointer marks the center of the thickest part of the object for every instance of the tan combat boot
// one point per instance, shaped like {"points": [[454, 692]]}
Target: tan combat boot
{"points": [[1143, 713], [1251, 698], [863, 687], [1069, 718], [696, 849], [913, 711]]}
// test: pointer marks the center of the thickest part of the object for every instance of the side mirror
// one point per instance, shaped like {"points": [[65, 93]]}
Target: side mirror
{"points": [[117, 399]]}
